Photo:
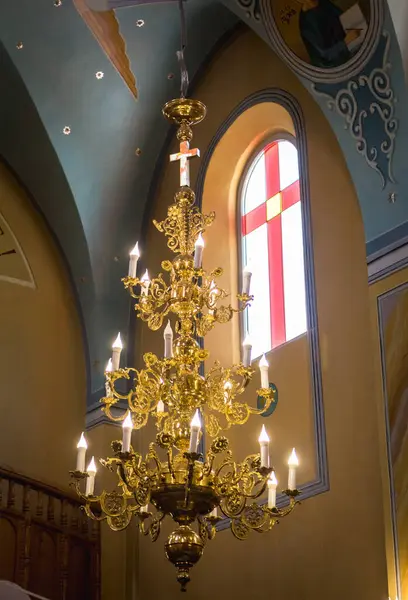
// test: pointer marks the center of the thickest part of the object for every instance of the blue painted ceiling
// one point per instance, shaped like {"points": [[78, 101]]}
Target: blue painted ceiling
{"points": [[91, 185]]}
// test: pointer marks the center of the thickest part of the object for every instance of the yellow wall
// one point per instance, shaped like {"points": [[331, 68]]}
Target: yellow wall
{"points": [[395, 344], [42, 371], [333, 547]]}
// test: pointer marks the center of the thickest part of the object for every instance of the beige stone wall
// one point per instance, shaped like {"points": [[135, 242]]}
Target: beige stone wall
{"points": [[333, 546], [42, 369]]}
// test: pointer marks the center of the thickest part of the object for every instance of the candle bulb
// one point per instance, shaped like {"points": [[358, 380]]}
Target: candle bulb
{"points": [[90, 480], [82, 447], [160, 406], [214, 512], [108, 387], [293, 464], [213, 295], [272, 485], [168, 341], [195, 432], [127, 433], [264, 369], [116, 350], [198, 252], [144, 509], [264, 446], [227, 391], [247, 349], [134, 257], [145, 283], [246, 280]]}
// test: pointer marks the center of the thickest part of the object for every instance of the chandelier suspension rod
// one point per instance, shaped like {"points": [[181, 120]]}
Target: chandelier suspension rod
{"points": [[184, 79]]}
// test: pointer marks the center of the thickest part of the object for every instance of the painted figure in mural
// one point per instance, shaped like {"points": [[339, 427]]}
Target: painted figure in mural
{"points": [[322, 31]]}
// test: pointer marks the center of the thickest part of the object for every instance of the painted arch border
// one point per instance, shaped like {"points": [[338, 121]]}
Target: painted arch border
{"points": [[277, 96], [318, 74]]}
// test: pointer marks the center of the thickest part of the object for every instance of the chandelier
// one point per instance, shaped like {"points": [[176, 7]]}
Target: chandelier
{"points": [[177, 478]]}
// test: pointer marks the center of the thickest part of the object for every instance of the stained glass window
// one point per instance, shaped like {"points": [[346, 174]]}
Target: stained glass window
{"points": [[272, 247]]}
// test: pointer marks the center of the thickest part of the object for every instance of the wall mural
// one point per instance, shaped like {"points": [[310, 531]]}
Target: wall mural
{"points": [[14, 267], [366, 103], [393, 317], [324, 40], [323, 33]]}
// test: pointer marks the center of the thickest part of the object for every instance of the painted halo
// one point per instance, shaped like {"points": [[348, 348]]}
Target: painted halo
{"points": [[324, 40]]}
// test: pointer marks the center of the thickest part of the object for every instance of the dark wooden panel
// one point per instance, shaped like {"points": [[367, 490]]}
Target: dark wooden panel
{"points": [[8, 549]]}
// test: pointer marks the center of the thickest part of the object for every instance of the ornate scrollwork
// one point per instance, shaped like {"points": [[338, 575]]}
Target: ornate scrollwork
{"points": [[170, 479], [362, 120]]}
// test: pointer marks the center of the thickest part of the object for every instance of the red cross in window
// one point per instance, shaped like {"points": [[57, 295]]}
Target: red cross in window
{"points": [[183, 156], [270, 211]]}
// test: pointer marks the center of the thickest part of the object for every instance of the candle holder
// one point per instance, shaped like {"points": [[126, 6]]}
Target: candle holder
{"points": [[178, 484]]}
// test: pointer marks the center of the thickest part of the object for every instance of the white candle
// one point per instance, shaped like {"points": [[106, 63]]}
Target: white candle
{"points": [[247, 349], [214, 512], [90, 480], [198, 252], [195, 432], [168, 341], [82, 447], [227, 392], [293, 464], [246, 280], [213, 295], [264, 369], [108, 387], [116, 350], [127, 427], [145, 283], [144, 508], [160, 406], [264, 446], [272, 484], [134, 257]]}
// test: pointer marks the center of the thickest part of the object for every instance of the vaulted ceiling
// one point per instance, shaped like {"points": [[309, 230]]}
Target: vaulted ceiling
{"points": [[105, 76]]}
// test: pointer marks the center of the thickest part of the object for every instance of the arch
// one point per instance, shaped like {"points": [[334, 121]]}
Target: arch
{"points": [[26, 150], [290, 105]]}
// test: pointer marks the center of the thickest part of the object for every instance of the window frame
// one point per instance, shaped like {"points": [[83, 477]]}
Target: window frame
{"points": [[245, 176]]}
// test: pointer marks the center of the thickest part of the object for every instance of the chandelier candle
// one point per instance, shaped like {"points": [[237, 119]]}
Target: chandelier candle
{"points": [[82, 447], [247, 349], [198, 252], [264, 369], [108, 388], [145, 283], [227, 391], [127, 433], [134, 257], [195, 432], [293, 465], [246, 280], [272, 485], [264, 445], [160, 406], [213, 295], [116, 350], [168, 341], [90, 481]]}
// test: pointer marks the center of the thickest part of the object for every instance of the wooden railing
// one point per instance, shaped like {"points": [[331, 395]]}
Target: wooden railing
{"points": [[47, 544]]}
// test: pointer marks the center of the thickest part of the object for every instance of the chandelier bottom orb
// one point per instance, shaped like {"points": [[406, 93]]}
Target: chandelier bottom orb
{"points": [[184, 549]]}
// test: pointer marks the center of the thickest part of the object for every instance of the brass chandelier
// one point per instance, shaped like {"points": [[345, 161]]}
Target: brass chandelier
{"points": [[174, 479]]}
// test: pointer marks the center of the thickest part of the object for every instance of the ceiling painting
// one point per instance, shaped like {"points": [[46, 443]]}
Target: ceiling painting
{"points": [[324, 40]]}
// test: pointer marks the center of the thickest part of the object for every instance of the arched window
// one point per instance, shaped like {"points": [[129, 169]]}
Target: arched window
{"points": [[272, 247]]}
